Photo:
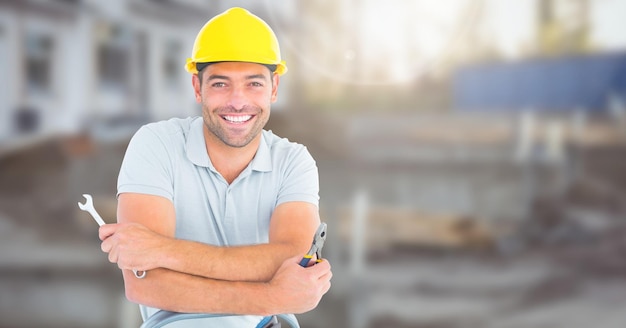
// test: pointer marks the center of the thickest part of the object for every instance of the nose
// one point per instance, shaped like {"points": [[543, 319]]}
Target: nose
{"points": [[237, 99]]}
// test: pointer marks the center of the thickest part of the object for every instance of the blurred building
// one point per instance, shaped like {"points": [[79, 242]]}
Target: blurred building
{"points": [[71, 62], [79, 76], [487, 208]]}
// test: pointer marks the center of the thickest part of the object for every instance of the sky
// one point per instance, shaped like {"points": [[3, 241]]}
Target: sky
{"points": [[610, 24], [512, 24], [404, 38]]}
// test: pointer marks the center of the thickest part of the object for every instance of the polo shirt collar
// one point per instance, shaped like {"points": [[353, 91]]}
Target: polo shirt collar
{"points": [[262, 161], [196, 146], [196, 149]]}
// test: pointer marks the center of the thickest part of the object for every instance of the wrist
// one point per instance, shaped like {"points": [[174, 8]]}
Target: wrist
{"points": [[167, 257], [270, 305]]}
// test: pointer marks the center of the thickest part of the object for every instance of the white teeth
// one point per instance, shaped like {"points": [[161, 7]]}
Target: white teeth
{"points": [[237, 119]]}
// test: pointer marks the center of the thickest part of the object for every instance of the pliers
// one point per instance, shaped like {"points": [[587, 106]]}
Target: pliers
{"points": [[316, 246]]}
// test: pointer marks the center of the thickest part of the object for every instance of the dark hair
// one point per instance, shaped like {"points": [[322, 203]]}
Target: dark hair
{"points": [[201, 66]]}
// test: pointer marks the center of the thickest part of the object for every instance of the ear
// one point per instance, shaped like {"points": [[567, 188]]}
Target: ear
{"points": [[195, 81], [275, 81]]}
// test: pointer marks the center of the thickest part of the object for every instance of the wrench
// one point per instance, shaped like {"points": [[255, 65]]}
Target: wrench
{"points": [[88, 207]]}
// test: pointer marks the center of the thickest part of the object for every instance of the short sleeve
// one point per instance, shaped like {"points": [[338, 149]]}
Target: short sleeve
{"points": [[300, 179], [147, 166]]}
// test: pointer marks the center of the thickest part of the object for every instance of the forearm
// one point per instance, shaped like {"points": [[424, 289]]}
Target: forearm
{"points": [[146, 241], [293, 289], [175, 291], [239, 263], [291, 231]]}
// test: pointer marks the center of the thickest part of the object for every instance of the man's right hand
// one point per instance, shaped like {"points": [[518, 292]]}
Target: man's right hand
{"points": [[132, 245], [295, 289]]}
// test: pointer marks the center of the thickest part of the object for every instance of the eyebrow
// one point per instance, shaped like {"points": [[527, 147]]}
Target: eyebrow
{"points": [[224, 77]]}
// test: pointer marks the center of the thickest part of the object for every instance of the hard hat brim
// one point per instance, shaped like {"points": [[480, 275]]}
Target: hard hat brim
{"points": [[191, 66]]}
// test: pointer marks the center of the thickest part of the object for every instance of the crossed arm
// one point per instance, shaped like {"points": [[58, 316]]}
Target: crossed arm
{"points": [[187, 276]]}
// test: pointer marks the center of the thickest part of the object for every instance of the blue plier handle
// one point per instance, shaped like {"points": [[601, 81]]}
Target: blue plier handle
{"points": [[316, 247]]}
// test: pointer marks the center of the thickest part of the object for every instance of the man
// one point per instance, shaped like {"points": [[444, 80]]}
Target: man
{"points": [[215, 209]]}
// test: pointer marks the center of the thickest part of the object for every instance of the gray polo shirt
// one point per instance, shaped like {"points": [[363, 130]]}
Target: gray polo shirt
{"points": [[169, 159]]}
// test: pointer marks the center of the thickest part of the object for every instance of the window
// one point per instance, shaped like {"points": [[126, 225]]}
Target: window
{"points": [[172, 63], [38, 50], [113, 56]]}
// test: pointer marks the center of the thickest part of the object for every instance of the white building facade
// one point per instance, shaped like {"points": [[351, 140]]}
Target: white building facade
{"points": [[68, 63]]}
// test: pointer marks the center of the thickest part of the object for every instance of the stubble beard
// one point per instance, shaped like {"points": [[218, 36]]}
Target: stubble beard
{"points": [[216, 125]]}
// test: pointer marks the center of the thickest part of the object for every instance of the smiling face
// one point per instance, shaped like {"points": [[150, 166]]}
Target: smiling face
{"points": [[235, 99]]}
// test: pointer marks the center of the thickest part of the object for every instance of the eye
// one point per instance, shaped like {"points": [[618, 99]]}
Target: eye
{"points": [[256, 84], [218, 84]]}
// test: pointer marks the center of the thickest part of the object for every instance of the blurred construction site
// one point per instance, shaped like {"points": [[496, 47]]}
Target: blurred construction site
{"points": [[471, 153]]}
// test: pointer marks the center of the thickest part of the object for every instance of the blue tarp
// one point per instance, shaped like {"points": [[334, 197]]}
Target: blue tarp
{"points": [[545, 84]]}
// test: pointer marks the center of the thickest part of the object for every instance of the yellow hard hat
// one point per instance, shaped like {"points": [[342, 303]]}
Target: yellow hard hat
{"points": [[236, 35]]}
